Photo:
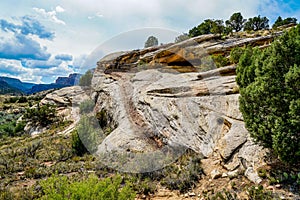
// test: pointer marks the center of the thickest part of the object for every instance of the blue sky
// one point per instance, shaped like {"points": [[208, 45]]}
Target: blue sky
{"points": [[40, 40]]}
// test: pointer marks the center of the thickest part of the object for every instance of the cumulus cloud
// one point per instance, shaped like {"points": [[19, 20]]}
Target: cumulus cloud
{"points": [[42, 64], [14, 69], [59, 9], [29, 26], [51, 15], [64, 57], [22, 47], [11, 67]]}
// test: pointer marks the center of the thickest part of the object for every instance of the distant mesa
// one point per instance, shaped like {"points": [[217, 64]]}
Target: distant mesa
{"points": [[14, 86]]}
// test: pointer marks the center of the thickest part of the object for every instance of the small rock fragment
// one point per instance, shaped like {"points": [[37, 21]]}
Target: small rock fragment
{"points": [[233, 174], [252, 175], [215, 174]]}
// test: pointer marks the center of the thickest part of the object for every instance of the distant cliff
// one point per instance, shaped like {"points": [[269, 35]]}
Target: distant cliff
{"points": [[73, 79], [16, 87], [60, 82]]}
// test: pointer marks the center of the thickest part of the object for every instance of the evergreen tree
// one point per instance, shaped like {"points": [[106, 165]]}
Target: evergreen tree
{"points": [[236, 22], [257, 23], [270, 95], [281, 22], [151, 41], [86, 79], [207, 27]]}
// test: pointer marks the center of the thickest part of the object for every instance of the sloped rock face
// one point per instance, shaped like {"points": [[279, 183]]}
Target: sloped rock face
{"points": [[154, 109], [67, 101], [156, 105], [160, 101]]}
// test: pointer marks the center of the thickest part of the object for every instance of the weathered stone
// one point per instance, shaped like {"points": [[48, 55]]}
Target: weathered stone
{"points": [[67, 101], [185, 56], [233, 139], [233, 174], [69, 96], [215, 174], [156, 108], [34, 129], [252, 175], [233, 163]]}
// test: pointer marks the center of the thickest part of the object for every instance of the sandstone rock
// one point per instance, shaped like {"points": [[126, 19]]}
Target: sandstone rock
{"points": [[67, 101], [33, 129], [252, 175], [69, 96], [192, 194], [185, 56], [215, 174], [233, 174], [224, 175], [156, 110], [233, 163], [233, 139]]}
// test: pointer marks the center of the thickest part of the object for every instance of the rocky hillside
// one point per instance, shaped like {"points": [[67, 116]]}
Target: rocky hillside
{"points": [[163, 97], [5, 88], [160, 101]]}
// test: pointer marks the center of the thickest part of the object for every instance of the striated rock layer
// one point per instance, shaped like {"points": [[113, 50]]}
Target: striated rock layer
{"points": [[160, 98], [160, 101], [155, 109]]}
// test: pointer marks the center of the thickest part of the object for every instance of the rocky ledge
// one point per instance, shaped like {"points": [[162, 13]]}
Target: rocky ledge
{"points": [[161, 98]]}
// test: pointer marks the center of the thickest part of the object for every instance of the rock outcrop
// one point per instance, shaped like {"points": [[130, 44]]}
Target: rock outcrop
{"points": [[171, 98], [155, 110], [163, 100], [67, 101]]}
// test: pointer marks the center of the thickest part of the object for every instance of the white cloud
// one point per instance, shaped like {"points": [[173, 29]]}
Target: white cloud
{"points": [[51, 15], [59, 9], [89, 23], [97, 15], [42, 64], [14, 69]]}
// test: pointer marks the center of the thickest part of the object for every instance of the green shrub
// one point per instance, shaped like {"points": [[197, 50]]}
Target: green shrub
{"points": [[222, 195], [220, 60], [259, 193], [270, 95], [90, 133], [22, 99], [184, 174], [60, 187], [9, 126], [77, 146], [235, 54], [86, 106], [86, 79], [42, 115], [6, 194]]}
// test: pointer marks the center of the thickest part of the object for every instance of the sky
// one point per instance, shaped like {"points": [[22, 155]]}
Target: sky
{"points": [[41, 40]]}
